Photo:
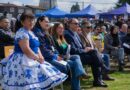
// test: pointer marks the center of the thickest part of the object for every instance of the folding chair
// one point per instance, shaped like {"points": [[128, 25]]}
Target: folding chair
{"points": [[8, 50]]}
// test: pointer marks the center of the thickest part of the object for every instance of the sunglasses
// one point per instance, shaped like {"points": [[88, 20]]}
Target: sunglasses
{"points": [[88, 27]]}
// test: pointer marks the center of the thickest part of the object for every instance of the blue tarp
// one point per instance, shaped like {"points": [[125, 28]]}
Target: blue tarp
{"points": [[89, 11], [125, 9], [53, 13]]}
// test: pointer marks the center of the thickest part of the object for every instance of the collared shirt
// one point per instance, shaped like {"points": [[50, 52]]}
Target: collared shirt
{"points": [[77, 38]]}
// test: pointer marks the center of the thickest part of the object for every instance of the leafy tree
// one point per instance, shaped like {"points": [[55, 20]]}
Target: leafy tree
{"points": [[75, 8], [121, 2]]}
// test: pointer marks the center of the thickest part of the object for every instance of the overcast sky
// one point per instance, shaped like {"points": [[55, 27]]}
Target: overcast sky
{"points": [[66, 4]]}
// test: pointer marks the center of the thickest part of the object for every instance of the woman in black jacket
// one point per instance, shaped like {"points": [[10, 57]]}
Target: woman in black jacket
{"points": [[126, 43], [112, 45]]}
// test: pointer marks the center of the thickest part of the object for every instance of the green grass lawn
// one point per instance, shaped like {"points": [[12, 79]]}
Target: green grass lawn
{"points": [[122, 82]]}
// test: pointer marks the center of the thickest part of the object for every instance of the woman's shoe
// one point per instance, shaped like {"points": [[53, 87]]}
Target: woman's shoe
{"points": [[85, 76]]}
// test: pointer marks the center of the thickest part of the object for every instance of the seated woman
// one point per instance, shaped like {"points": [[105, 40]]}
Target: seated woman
{"points": [[60, 42], [26, 68], [50, 53], [126, 43], [112, 46]]}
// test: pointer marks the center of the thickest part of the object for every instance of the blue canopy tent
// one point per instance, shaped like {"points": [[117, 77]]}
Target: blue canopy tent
{"points": [[125, 9], [89, 11], [55, 12]]}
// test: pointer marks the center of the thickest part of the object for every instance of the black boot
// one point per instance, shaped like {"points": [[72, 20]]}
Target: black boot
{"points": [[100, 84], [121, 68], [121, 65]]}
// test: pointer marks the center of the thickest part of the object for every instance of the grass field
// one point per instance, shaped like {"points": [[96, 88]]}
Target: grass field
{"points": [[122, 81]]}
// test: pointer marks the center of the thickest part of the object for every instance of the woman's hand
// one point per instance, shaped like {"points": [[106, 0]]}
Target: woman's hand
{"points": [[87, 49], [36, 57], [59, 58], [41, 59]]}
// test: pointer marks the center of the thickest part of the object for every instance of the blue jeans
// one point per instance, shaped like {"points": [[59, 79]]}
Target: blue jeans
{"points": [[119, 55], [74, 64], [106, 59]]}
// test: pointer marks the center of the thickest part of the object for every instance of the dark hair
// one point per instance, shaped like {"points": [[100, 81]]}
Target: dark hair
{"points": [[84, 23], [39, 19], [2, 18], [128, 30], [128, 27], [112, 29], [97, 26], [59, 39], [54, 28], [22, 18]]}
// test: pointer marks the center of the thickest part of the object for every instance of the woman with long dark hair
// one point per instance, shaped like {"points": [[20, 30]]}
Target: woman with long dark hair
{"points": [[112, 46], [126, 43], [58, 36], [26, 68]]}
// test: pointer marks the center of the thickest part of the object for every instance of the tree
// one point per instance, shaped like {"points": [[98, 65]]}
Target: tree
{"points": [[121, 2], [75, 8], [72, 9]]}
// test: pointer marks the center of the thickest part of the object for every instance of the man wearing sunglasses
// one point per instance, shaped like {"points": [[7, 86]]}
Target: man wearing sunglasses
{"points": [[87, 55], [88, 41]]}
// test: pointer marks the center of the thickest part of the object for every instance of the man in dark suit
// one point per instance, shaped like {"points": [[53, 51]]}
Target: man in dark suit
{"points": [[87, 55], [6, 35]]}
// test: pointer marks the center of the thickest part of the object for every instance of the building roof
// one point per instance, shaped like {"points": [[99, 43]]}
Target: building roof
{"points": [[26, 6], [8, 4], [35, 7]]}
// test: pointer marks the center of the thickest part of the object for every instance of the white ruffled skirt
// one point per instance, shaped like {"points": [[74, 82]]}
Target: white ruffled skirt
{"points": [[23, 73]]}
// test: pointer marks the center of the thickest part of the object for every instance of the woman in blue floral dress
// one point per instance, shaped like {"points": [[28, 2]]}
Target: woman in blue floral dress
{"points": [[26, 68]]}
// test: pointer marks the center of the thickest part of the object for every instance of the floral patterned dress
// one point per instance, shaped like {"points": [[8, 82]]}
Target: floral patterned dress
{"points": [[23, 73]]}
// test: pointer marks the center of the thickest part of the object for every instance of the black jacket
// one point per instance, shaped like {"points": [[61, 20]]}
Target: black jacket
{"points": [[75, 47], [6, 39], [126, 40]]}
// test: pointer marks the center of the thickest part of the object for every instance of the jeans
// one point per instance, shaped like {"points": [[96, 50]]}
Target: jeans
{"points": [[74, 64], [106, 59], [119, 55], [95, 60]]}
